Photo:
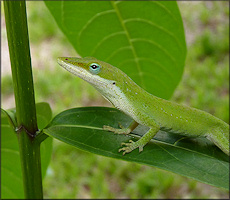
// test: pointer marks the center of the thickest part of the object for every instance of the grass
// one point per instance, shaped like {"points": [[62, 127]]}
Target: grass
{"points": [[77, 174]]}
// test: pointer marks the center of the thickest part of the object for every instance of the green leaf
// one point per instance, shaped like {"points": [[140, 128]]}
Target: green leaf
{"points": [[143, 38], [195, 158], [11, 116], [11, 175]]}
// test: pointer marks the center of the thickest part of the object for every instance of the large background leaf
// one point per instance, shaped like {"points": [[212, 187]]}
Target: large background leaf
{"points": [[143, 38], [195, 158], [11, 175]]}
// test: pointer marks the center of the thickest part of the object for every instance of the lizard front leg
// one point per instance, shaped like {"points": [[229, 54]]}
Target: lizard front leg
{"points": [[141, 142]]}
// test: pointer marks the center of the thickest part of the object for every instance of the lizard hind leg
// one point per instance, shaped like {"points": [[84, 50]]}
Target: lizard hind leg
{"points": [[220, 137]]}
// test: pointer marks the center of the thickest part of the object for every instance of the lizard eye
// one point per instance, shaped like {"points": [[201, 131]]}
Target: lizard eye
{"points": [[94, 68]]}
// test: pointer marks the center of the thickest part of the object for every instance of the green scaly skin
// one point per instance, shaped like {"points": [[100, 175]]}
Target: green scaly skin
{"points": [[145, 108]]}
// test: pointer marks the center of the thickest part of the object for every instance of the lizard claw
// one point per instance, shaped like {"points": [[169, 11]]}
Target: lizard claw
{"points": [[127, 144], [129, 147], [125, 149]]}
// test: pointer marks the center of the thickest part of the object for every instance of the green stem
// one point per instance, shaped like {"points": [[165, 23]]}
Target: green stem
{"points": [[17, 34]]}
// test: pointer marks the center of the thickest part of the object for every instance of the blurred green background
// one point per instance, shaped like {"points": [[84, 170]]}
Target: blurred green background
{"points": [[77, 174]]}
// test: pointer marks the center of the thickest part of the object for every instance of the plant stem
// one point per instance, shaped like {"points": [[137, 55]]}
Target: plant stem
{"points": [[17, 34]]}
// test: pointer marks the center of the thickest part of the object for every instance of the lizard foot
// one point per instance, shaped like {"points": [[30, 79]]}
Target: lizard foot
{"points": [[122, 129], [130, 146]]}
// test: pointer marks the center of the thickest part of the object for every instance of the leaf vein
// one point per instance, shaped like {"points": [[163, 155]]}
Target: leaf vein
{"points": [[117, 51], [158, 46], [166, 9], [91, 20], [129, 40], [156, 26], [104, 39]]}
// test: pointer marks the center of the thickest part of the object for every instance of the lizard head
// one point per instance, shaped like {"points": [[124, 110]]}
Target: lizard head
{"points": [[103, 76], [96, 72]]}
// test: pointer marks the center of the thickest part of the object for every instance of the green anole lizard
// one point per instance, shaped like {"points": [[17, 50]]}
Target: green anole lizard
{"points": [[145, 108]]}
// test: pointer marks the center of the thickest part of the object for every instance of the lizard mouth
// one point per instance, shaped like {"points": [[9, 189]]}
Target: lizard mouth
{"points": [[74, 69], [80, 72]]}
